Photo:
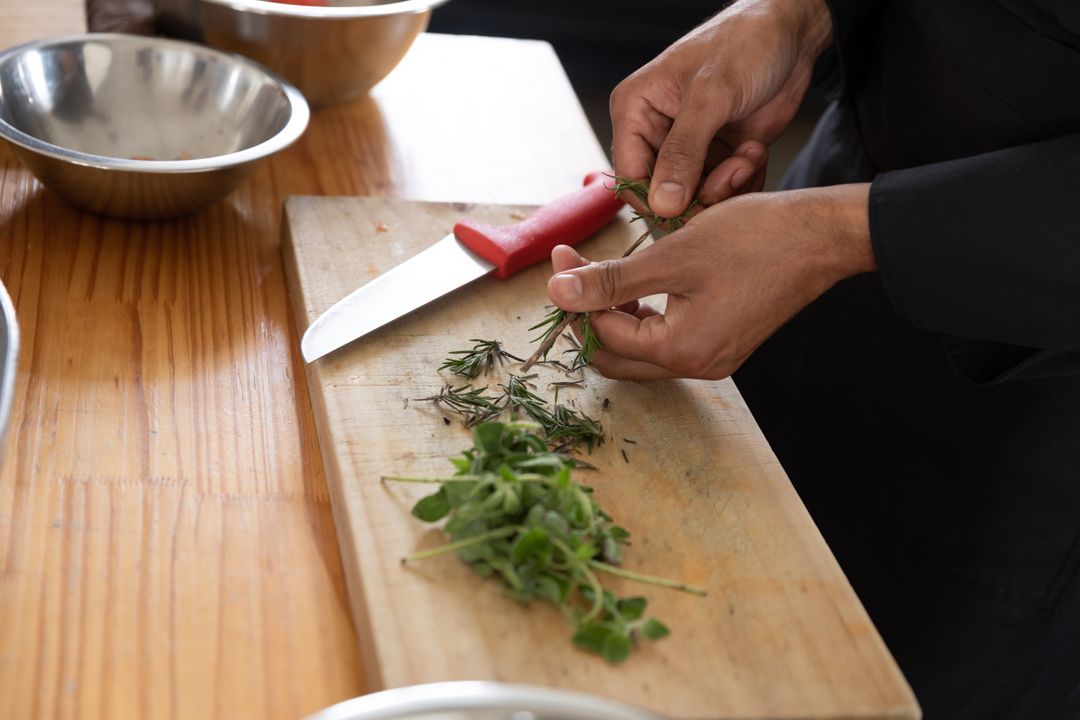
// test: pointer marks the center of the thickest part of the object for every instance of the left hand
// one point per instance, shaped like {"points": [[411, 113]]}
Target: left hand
{"points": [[733, 275]]}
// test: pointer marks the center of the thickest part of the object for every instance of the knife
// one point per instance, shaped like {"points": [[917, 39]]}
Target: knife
{"points": [[470, 252], [9, 356]]}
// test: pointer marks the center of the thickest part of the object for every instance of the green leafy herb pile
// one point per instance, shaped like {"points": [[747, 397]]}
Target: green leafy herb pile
{"points": [[514, 511]]}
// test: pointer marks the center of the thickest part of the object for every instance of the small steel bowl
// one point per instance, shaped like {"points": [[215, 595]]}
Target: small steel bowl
{"points": [[139, 127], [332, 54], [480, 700]]}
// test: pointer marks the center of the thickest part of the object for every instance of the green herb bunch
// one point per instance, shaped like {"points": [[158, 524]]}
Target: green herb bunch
{"points": [[558, 320], [513, 511]]}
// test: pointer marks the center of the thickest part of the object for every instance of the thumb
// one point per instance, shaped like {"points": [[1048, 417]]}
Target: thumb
{"points": [[607, 284], [681, 158]]}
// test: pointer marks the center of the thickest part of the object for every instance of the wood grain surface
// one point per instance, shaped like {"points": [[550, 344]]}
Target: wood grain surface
{"points": [[166, 543], [780, 635], [22, 21]]}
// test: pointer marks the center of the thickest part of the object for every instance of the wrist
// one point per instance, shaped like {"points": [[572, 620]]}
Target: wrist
{"points": [[850, 205], [841, 229], [811, 24]]}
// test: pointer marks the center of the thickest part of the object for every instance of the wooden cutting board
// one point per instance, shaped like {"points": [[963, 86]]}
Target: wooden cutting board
{"points": [[780, 634]]}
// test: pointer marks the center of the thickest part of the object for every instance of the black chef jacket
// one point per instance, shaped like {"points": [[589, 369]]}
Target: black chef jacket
{"points": [[929, 414]]}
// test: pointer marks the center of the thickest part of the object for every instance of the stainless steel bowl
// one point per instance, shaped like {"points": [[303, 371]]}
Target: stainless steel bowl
{"points": [[331, 53], [480, 701], [142, 127]]}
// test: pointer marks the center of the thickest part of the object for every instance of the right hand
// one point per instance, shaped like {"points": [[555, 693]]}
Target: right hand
{"points": [[710, 104]]}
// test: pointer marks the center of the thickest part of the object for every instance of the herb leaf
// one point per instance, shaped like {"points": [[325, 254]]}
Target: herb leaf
{"points": [[433, 507]]}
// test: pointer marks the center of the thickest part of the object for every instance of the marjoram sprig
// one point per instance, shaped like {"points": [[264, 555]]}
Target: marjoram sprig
{"points": [[513, 511]]}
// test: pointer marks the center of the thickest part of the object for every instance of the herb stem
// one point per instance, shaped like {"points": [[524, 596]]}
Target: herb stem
{"points": [[572, 317], [495, 534], [646, 579], [637, 243], [590, 578], [545, 346]]}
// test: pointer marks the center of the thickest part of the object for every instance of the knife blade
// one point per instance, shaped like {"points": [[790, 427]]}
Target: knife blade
{"points": [[9, 356], [471, 251]]}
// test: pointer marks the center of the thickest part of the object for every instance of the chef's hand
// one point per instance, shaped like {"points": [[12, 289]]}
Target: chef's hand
{"points": [[737, 272], [708, 106]]}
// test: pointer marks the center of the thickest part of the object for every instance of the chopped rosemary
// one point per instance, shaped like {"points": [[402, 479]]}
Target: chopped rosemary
{"points": [[564, 429], [473, 404], [570, 428], [482, 356]]}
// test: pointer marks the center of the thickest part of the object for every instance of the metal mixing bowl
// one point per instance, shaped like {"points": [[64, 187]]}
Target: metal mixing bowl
{"points": [[468, 700], [331, 53], [142, 127]]}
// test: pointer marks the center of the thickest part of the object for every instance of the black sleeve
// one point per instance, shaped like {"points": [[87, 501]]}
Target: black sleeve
{"points": [[854, 25], [988, 247]]}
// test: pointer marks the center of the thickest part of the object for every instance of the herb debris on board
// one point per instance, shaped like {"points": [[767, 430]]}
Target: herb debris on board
{"points": [[512, 507]]}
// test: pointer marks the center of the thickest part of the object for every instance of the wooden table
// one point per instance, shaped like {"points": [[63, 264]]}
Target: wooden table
{"points": [[166, 542]]}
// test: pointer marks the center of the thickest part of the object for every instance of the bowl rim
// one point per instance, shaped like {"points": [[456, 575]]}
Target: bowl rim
{"points": [[299, 115], [286, 9], [467, 696]]}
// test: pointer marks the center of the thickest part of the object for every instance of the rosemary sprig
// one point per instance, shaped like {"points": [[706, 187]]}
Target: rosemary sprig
{"points": [[520, 399], [513, 511], [554, 324], [558, 320], [482, 356], [583, 351], [473, 404], [641, 190]]}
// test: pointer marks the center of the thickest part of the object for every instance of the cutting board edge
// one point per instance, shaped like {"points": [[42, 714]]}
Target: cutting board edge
{"points": [[354, 586]]}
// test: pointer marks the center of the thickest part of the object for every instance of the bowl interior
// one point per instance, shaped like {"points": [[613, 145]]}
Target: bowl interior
{"points": [[139, 98]]}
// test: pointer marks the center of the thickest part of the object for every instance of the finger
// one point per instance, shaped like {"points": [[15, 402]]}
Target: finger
{"points": [[758, 182], [644, 310], [739, 173], [632, 157], [608, 284], [718, 152], [564, 257], [633, 151], [646, 339], [682, 156], [619, 368]]}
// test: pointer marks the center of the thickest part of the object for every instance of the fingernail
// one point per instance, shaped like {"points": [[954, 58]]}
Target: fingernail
{"points": [[567, 287], [740, 177], [754, 154], [669, 194]]}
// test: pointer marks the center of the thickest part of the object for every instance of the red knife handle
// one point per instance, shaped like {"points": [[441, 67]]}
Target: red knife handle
{"points": [[565, 221]]}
